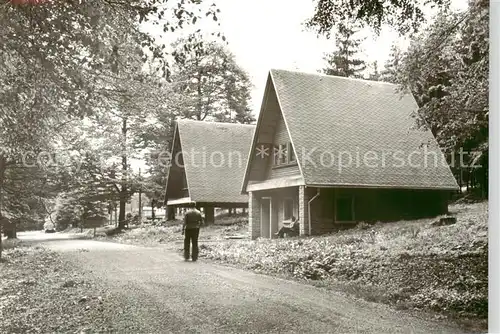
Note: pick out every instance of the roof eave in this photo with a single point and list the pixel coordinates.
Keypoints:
(384, 186)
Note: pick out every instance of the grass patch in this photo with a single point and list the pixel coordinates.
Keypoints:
(408, 264)
(150, 235)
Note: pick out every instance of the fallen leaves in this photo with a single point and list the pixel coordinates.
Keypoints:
(39, 294)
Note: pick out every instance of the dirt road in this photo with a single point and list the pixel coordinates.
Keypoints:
(155, 291)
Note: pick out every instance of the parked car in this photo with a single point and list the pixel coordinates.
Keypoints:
(49, 227)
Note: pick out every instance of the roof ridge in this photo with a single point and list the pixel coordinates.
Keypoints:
(332, 76)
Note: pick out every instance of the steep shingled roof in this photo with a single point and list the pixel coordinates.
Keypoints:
(215, 156)
(329, 116)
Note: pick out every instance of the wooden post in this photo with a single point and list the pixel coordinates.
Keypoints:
(2, 173)
(209, 214)
(140, 198)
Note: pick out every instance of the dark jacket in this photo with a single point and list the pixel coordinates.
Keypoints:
(193, 219)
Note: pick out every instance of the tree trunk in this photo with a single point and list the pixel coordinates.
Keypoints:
(468, 180)
(121, 215)
(209, 215)
(460, 179)
(484, 176)
(2, 176)
(123, 190)
(199, 105)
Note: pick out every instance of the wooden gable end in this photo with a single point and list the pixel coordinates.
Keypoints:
(177, 186)
(284, 160)
(270, 134)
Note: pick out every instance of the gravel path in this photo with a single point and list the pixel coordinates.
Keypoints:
(152, 290)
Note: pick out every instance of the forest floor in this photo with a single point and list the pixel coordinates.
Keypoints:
(42, 293)
(74, 285)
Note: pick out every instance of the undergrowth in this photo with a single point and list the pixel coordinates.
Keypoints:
(410, 264)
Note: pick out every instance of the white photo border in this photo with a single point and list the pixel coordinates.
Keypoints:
(494, 166)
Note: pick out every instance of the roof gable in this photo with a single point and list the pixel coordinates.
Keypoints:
(359, 133)
(173, 183)
(214, 156)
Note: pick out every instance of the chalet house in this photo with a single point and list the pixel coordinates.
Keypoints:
(335, 151)
(208, 161)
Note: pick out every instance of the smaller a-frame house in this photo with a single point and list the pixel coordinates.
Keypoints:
(335, 151)
(208, 161)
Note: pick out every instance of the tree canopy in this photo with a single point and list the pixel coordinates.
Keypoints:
(404, 15)
(65, 62)
(209, 84)
(446, 68)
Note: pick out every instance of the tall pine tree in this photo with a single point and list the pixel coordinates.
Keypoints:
(345, 61)
(375, 74)
(391, 67)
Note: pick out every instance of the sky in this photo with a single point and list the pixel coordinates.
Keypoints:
(267, 34)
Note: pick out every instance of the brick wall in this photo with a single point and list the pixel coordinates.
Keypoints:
(374, 205)
(303, 215)
(253, 215)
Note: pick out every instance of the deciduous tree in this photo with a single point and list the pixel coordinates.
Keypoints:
(446, 69)
(404, 15)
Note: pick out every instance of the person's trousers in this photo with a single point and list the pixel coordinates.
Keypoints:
(191, 238)
(283, 230)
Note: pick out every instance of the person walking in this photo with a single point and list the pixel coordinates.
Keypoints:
(191, 230)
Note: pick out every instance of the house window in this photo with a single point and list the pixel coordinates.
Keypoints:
(288, 209)
(345, 209)
(279, 155)
(283, 154)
